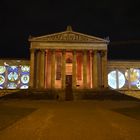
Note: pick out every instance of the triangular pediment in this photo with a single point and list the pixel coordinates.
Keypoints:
(68, 36)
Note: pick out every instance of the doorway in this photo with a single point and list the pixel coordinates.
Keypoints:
(68, 90)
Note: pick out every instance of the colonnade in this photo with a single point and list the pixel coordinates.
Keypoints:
(98, 72)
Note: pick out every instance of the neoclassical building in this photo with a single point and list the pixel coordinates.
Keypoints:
(68, 59)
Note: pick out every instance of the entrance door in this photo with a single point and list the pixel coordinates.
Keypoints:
(68, 91)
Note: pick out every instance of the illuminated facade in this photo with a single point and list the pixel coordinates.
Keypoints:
(124, 75)
(14, 74)
(68, 60)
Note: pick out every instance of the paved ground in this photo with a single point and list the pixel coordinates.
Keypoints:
(71, 120)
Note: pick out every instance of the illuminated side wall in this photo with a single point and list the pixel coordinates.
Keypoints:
(14, 74)
(124, 75)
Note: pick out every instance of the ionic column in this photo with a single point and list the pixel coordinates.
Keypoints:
(42, 69)
(95, 70)
(74, 70)
(32, 55)
(38, 54)
(46, 66)
(63, 69)
(104, 68)
(85, 69)
(53, 69)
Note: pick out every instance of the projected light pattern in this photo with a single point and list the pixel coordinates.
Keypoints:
(116, 79)
(14, 77)
(2, 69)
(112, 80)
(133, 76)
(121, 79)
(24, 77)
(2, 76)
(125, 79)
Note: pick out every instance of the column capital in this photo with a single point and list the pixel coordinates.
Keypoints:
(41, 50)
(102, 53)
(85, 51)
(52, 50)
(94, 52)
(64, 51)
(32, 50)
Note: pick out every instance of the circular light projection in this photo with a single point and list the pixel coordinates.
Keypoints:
(2, 79)
(121, 79)
(12, 76)
(1, 87)
(25, 68)
(2, 69)
(132, 75)
(138, 84)
(112, 80)
(24, 87)
(113, 77)
(25, 79)
(12, 85)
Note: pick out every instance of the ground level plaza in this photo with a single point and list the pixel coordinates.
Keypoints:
(69, 60)
(84, 120)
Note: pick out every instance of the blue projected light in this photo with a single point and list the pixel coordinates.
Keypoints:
(2, 76)
(115, 76)
(12, 73)
(2, 79)
(112, 80)
(2, 69)
(24, 77)
(12, 86)
(12, 77)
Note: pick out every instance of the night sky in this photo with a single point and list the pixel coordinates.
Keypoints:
(119, 20)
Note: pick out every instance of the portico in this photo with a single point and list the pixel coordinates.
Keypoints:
(68, 60)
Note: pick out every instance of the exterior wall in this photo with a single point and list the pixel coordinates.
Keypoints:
(124, 75)
(125, 67)
(14, 74)
(88, 64)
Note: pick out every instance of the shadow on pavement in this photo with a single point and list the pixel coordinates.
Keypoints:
(133, 112)
(9, 115)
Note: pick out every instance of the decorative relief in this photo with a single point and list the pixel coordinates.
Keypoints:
(69, 36)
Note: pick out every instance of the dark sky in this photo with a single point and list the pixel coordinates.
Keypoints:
(120, 20)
